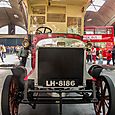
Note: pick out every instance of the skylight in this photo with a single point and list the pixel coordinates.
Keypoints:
(5, 4)
(96, 5)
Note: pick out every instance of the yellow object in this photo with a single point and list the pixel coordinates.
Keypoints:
(66, 16)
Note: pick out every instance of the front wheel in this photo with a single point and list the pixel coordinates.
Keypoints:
(105, 95)
(9, 102)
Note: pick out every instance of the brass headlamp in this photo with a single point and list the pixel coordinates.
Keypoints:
(25, 42)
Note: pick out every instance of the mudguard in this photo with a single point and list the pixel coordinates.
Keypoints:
(20, 73)
(95, 70)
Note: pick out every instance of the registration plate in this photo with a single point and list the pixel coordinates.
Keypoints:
(60, 83)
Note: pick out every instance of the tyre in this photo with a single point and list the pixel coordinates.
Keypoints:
(105, 95)
(9, 105)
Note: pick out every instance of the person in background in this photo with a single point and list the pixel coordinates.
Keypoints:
(12, 49)
(100, 59)
(17, 49)
(113, 55)
(88, 51)
(94, 54)
(1, 55)
(23, 54)
(8, 50)
(109, 56)
(4, 51)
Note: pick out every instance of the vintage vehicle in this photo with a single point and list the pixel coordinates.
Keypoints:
(58, 63)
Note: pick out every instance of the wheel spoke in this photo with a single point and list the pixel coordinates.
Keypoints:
(44, 30)
(103, 97)
(107, 104)
(107, 97)
(100, 107)
(14, 109)
(103, 109)
(12, 98)
(104, 91)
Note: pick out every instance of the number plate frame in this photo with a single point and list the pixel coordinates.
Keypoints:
(61, 83)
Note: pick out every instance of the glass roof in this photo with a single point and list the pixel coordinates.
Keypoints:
(5, 4)
(96, 5)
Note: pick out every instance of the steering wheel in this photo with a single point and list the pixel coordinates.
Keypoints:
(42, 30)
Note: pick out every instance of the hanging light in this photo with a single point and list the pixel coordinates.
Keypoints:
(88, 20)
(16, 16)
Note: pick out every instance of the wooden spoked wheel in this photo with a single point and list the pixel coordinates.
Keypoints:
(105, 96)
(9, 99)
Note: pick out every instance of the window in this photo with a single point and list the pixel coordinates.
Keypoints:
(89, 31)
(56, 17)
(109, 31)
(4, 30)
(20, 30)
(74, 25)
(5, 3)
(100, 44)
(100, 31)
(37, 20)
(96, 5)
(38, 10)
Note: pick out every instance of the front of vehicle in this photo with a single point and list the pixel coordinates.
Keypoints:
(58, 61)
(59, 67)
